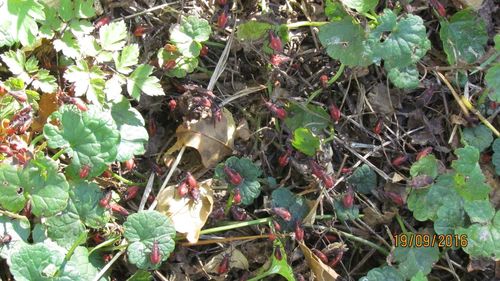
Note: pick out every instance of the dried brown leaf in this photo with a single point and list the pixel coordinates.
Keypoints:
(322, 271)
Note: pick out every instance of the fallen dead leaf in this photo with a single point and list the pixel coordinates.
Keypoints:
(188, 216)
(322, 271)
(236, 260)
(373, 218)
(213, 141)
(243, 131)
(47, 105)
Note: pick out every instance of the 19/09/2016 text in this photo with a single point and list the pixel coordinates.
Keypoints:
(430, 240)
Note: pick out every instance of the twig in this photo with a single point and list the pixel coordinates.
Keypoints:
(12, 215)
(480, 116)
(109, 264)
(455, 95)
(242, 93)
(145, 196)
(224, 240)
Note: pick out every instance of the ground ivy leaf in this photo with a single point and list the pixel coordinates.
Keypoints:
(11, 191)
(296, 205)
(312, 117)
(252, 30)
(414, 259)
(482, 240)
(464, 37)
(250, 187)
(112, 36)
(346, 41)
(404, 77)
(88, 81)
(468, 157)
(362, 6)
(493, 81)
(449, 216)
(363, 179)
(386, 273)
(36, 262)
(405, 43)
(141, 275)
(141, 230)
(496, 155)
(419, 277)
(65, 228)
(427, 165)
(128, 57)
(19, 231)
(305, 142)
(478, 136)
(472, 186)
(189, 34)
(89, 137)
(133, 134)
(85, 198)
(23, 17)
(82, 266)
(480, 211)
(345, 214)
(141, 81)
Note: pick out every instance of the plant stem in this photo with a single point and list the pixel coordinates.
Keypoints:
(401, 224)
(362, 241)
(13, 215)
(229, 203)
(58, 154)
(235, 225)
(330, 82)
(126, 181)
(36, 140)
(108, 265)
(299, 24)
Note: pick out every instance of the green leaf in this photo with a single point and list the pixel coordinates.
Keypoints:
(404, 77)
(141, 231)
(89, 137)
(450, 216)
(386, 273)
(305, 142)
(141, 81)
(493, 81)
(15, 61)
(6, 36)
(467, 160)
(427, 165)
(19, 231)
(276, 266)
(482, 240)
(312, 117)
(88, 81)
(68, 45)
(84, 200)
(363, 179)
(250, 187)
(183, 66)
(36, 262)
(346, 41)
(496, 155)
(478, 136)
(112, 36)
(133, 134)
(129, 56)
(468, 179)
(141, 275)
(399, 43)
(44, 81)
(80, 28)
(82, 266)
(296, 205)
(189, 34)
(252, 30)
(414, 259)
(334, 10)
(23, 16)
(464, 37)
(419, 277)
(65, 228)
(345, 214)
(362, 6)
(11, 191)
(76, 9)
(480, 211)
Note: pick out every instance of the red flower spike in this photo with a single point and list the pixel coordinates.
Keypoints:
(129, 164)
(346, 170)
(155, 256)
(182, 189)
(400, 160)
(282, 213)
(151, 199)
(6, 150)
(102, 22)
(222, 19)
(223, 265)
(222, 2)
(170, 48)
(277, 253)
(336, 259)
(277, 226)
(140, 30)
(204, 51)
(320, 255)
(19, 96)
(299, 232)
(316, 169)
(439, 7)
(84, 171)
(328, 181)
(80, 104)
(6, 239)
(334, 113)
(277, 59)
(172, 104)
(395, 198)
(152, 128)
(107, 258)
(424, 152)
(275, 42)
(131, 193)
(169, 65)
(237, 196)
(194, 193)
(378, 127)
(3, 91)
(115, 208)
(191, 181)
(233, 176)
(97, 238)
(272, 236)
(323, 80)
(348, 199)
(106, 174)
(277, 111)
(104, 202)
(284, 159)
(238, 214)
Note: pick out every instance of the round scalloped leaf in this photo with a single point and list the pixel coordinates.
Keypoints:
(141, 231)
(386, 273)
(480, 211)
(468, 157)
(414, 259)
(19, 230)
(404, 77)
(305, 142)
(189, 34)
(427, 165)
(483, 240)
(82, 266)
(296, 205)
(419, 277)
(450, 216)
(133, 135)
(496, 155)
(478, 136)
(493, 81)
(362, 6)
(252, 30)
(312, 117)
(346, 41)
(11, 192)
(36, 262)
(90, 138)
(363, 179)
(345, 214)
(250, 187)
(65, 228)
